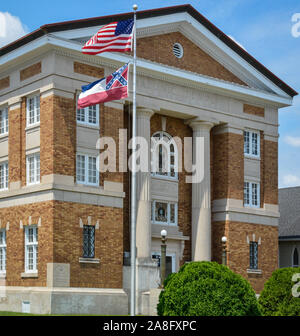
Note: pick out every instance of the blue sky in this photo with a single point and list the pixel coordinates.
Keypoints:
(262, 27)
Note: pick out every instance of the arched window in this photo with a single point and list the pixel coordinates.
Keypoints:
(164, 155)
(295, 257)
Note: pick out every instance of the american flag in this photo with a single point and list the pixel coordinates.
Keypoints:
(116, 36)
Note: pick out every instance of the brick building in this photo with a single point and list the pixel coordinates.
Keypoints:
(64, 227)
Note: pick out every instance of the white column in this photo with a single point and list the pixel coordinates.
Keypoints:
(201, 198)
(143, 181)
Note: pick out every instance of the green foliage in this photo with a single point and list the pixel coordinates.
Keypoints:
(207, 289)
(277, 299)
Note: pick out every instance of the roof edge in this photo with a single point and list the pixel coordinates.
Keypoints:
(83, 23)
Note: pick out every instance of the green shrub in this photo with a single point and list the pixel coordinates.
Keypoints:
(276, 299)
(207, 289)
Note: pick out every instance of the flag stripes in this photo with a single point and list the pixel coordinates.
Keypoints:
(116, 37)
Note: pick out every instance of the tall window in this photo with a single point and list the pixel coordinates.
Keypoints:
(251, 143)
(33, 110)
(4, 121)
(86, 169)
(251, 194)
(165, 213)
(31, 249)
(88, 115)
(2, 251)
(295, 257)
(164, 158)
(88, 241)
(3, 176)
(33, 168)
(253, 255)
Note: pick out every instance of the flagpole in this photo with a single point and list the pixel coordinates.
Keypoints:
(133, 180)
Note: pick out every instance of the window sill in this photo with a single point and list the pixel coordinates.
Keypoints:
(89, 260)
(252, 206)
(164, 223)
(86, 125)
(32, 184)
(82, 184)
(32, 127)
(254, 271)
(29, 275)
(3, 136)
(254, 157)
(166, 178)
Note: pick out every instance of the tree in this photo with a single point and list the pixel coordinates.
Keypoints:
(207, 289)
(277, 298)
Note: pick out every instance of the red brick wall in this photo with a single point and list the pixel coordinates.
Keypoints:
(255, 110)
(14, 145)
(111, 120)
(238, 249)
(30, 71)
(58, 135)
(89, 70)
(108, 244)
(4, 83)
(228, 166)
(15, 251)
(60, 241)
(270, 172)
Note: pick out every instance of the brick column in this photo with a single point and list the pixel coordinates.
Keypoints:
(15, 145)
(143, 224)
(201, 198)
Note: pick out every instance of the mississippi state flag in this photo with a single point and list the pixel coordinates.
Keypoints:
(113, 87)
(116, 36)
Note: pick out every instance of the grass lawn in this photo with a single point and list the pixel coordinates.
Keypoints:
(8, 313)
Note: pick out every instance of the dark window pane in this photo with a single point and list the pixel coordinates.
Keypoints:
(88, 241)
(253, 255)
(296, 257)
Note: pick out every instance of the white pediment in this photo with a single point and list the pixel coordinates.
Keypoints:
(200, 36)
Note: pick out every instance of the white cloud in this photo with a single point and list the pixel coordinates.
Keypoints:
(237, 42)
(291, 181)
(293, 141)
(11, 28)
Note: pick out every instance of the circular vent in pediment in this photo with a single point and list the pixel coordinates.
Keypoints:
(178, 50)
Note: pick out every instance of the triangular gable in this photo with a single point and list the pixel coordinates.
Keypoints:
(159, 49)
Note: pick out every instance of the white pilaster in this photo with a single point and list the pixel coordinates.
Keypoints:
(143, 224)
(201, 198)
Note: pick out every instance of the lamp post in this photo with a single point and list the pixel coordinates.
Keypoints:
(163, 234)
(224, 252)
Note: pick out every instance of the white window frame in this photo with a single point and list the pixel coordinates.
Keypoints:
(86, 116)
(154, 153)
(5, 169)
(3, 250)
(36, 168)
(86, 173)
(4, 120)
(33, 244)
(250, 154)
(36, 110)
(168, 223)
(250, 204)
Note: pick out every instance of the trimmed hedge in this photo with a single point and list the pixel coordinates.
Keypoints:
(277, 299)
(207, 289)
